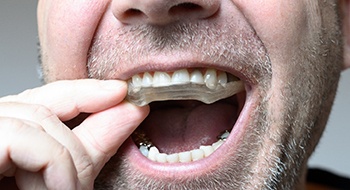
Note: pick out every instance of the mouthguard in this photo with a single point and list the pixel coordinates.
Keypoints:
(142, 96)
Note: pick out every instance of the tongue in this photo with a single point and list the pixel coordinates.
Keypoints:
(188, 124)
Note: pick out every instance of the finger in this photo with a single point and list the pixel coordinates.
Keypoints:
(6, 167)
(33, 150)
(24, 112)
(54, 127)
(10, 171)
(103, 133)
(42, 118)
(30, 180)
(69, 98)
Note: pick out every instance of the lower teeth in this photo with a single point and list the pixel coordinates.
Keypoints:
(152, 152)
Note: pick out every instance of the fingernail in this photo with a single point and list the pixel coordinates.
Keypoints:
(113, 84)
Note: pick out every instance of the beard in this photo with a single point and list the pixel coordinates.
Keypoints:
(287, 121)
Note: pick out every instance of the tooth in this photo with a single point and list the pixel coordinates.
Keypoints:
(197, 77)
(217, 144)
(147, 80)
(185, 157)
(161, 158)
(210, 78)
(144, 150)
(207, 150)
(152, 154)
(136, 82)
(224, 136)
(222, 78)
(180, 77)
(182, 157)
(197, 154)
(173, 158)
(206, 92)
(161, 79)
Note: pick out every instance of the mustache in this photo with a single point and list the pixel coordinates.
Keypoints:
(176, 36)
(231, 44)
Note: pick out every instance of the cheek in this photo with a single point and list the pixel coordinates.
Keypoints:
(283, 28)
(66, 29)
(280, 24)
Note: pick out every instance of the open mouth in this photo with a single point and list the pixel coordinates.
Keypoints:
(193, 112)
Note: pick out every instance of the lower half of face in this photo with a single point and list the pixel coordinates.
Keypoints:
(258, 137)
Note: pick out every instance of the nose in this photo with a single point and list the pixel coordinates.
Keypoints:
(161, 12)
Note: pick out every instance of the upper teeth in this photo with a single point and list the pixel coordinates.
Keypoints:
(211, 78)
(209, 87)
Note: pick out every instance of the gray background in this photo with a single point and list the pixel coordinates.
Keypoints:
(19, 66)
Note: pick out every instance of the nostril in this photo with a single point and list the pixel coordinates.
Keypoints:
(184, 7)
(133, 13)
(161, 12)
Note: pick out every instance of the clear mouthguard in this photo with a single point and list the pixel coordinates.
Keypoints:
(141, 96)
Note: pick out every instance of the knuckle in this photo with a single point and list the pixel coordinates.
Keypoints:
(63, 153)
(42, 112)
(17, 125)
(25, 96)
(14, 126)
(11, 124)
(85, 167)
(9, 98)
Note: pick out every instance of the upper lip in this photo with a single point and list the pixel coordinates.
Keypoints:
(233, 47)
(246, 63)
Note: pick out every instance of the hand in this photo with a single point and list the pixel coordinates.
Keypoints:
(40, 151)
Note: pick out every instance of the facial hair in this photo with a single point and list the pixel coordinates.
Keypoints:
(304, 101)
(228, 44)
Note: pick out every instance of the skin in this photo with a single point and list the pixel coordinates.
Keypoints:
(278, 47)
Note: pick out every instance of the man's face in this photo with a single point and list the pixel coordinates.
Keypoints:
(287, 53)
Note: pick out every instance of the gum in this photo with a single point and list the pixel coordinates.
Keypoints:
(142, 96)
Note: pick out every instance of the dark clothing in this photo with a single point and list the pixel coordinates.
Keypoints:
(327, 179)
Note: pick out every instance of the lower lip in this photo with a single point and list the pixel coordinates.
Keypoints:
(188, 170)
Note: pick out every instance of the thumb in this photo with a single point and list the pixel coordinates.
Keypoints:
(104, 132)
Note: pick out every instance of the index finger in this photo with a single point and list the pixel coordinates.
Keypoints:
(67, 99)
